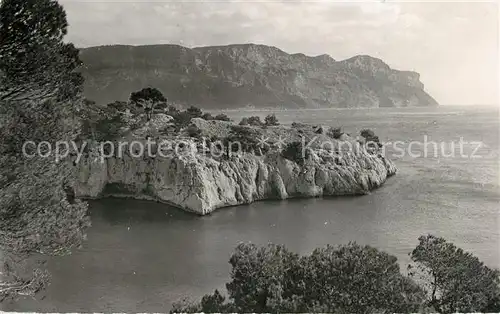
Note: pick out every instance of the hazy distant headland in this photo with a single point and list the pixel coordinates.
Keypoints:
(248, 75)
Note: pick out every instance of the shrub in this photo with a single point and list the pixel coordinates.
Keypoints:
(118, 106)
(355, 279)
(299, 125)
(367, 133)
(359, 279)
(247, 137)
(319, 129)
(335, 133)
(371, 139)
(193, 131)
(344, 279)
(254, 121)
(107, 128)
(294, 151)
(161, 107)
(183, 118)
(172, 111)
(194, 112)
(207, 116)
(271, 120)
(244, 121)
(222, 117)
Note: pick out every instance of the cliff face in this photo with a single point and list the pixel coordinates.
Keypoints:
(241, 75)
(201, 184)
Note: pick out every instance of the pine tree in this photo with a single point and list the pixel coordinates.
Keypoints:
(40, 92)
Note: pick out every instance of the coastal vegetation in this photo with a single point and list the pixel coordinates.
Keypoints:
(41, 99)
(148, 99)
(294, 151)
(353, 279)
(269, 120)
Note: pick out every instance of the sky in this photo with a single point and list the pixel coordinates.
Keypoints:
(453, 45)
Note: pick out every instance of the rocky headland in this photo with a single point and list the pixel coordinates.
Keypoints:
(195, 180)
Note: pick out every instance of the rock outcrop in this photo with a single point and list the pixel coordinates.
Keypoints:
(236, 76)
(196, 181)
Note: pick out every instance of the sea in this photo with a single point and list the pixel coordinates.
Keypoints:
(141, 256)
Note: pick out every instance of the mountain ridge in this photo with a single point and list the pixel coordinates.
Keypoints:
(240, 75)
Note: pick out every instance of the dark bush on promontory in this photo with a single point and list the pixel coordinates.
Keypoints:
(371, 139)
(271, 120)
(294, 151)
(253, 121)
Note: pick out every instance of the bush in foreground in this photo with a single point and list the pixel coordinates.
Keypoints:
(345, 279)
(456, 281)
(352, 279)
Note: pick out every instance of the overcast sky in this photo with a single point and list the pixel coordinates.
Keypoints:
(454, 46)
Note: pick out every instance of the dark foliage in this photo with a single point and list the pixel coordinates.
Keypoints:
(147, 94)
(147, 99)
(162, 106)
(39, 93)
(194, 112)
(372, 141)
(346, 279)
(253, 121)
(193, 131)
(107, 127)
(456, 281)
(172, 111)
(207, 116)
(247, 137)
(299, 125)
(222, 117)
(120, 106)
(182, 120)
(335, 133)
(271, 120)
(295, 152)
(34, 59)
(243, 122)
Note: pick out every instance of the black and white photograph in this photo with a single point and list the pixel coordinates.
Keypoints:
(249, 156)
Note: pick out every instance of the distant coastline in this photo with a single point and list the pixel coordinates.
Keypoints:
(236, 76)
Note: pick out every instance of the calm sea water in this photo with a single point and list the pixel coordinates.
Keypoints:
(142, 256)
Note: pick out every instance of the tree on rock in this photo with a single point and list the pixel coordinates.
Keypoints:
(456, 281)
(147, 98)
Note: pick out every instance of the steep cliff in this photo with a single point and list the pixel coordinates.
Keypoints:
(197, 181)
(248, 75)
(201, 184)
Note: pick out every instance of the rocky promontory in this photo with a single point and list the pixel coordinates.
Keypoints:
(199, 181)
